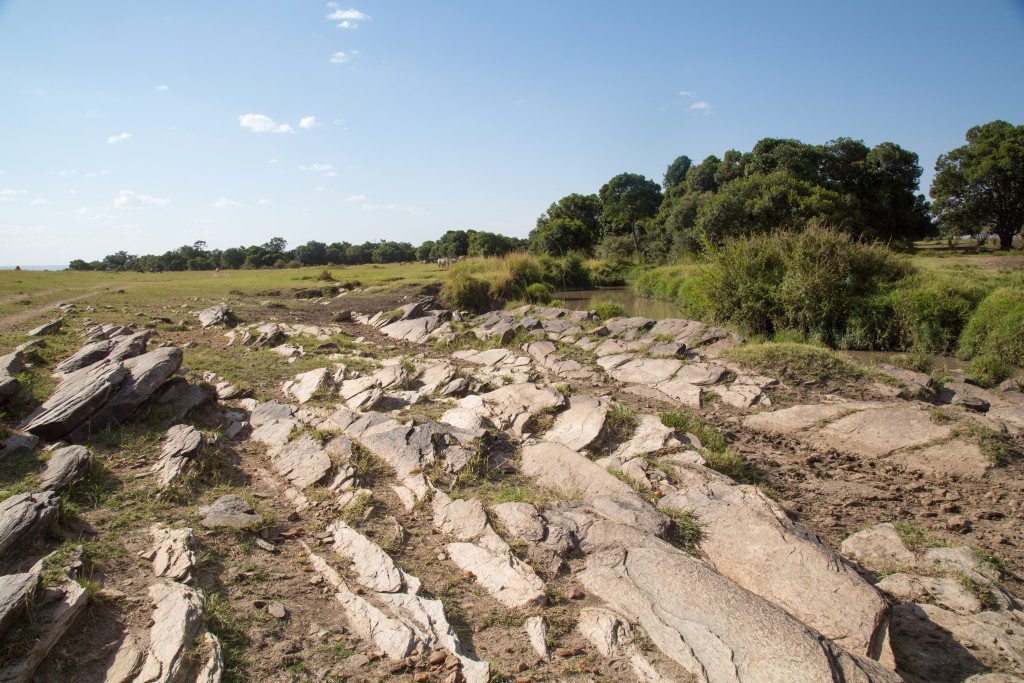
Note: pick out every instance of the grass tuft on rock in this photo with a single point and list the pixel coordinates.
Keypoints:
(796, 362)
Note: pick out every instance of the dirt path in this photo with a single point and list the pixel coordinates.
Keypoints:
(15, 320)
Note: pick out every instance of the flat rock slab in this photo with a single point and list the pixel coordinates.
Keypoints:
(303, 461)
(799, 418)
(64, 466)
(509, 580)
(880, 431)
(45, 329)
(750, 540)
(649, 371)
(878, 548)
(712, 627)
(55, 608)
(701, 374)
(306, 385)
(230, 511)
(374, 569)
(581, 425)
(172, 553)
(177, 623)
(649, 436)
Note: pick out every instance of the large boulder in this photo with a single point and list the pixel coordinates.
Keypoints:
(581, 425)
(712, 627)
(63, 467)
(24, 517)
(76, 398)
(216, 315)
(750, 540)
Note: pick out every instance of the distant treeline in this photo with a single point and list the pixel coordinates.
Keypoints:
(869, 193)
(275, 254)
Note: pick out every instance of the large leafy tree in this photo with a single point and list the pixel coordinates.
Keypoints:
(584, 208)
(676, 172)
(560, 236)
(626, 200)
(980, 185)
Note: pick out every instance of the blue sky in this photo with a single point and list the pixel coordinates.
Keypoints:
(143, 126)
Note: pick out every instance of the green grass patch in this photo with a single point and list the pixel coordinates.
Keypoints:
(796, 362)
(914, 537)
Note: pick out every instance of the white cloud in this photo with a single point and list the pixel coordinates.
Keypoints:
(341, 56)
(271, 161)
(347, 18)
(326, 170)
(161, 88)
(397, 208)
(38, 202)
(225, 203)
(259, 123)
(128, 199)
(7, 195)
(319, 188)
(355, 198)
(205, 221)
(308, 122)
(688, 93)
(120, 137)
(701, 106)
(265, 202)
(66, 172)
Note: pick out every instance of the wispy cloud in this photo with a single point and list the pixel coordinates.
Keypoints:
(260, 123)
(355, 198)
(397, 208)
(225, 203)
(701, 106)
(38, 202)
(308, 122)
(120, 137)
(161, 88)
(341, 57)
(7, 194)
(326, 170)
(346, 18)
(265, 202)
(272, 161)
(692, 94)
(126, 199)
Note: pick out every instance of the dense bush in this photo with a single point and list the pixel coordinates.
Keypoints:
(481, 284)
(814, 281)
(997, 327)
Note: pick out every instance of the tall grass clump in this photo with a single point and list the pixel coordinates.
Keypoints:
(480, 284)
(815, 281)
(994, 335)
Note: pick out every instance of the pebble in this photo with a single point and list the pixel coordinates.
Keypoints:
(576, 594)
(277, 610)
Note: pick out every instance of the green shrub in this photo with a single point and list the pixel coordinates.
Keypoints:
(608, 309)
(462, 291)
(813, 281)
(539, 293)
(796, 361)
(997, 327)
(605, 273)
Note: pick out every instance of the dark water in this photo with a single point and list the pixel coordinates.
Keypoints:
(586, 299)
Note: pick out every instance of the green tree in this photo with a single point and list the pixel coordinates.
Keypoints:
(560, 236)
(276, 245)
(585, 208)
(232, 257)
(676, 172)
(627, 199)
(980, 185)
(701, 178)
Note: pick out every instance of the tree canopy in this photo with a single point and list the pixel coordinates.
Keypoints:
(979, 187)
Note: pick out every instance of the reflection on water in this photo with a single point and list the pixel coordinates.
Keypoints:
(586, 299)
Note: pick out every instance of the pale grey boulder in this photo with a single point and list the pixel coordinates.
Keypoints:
(215, 315)
(64, 466)
(143, 376)
(24, 517)
(749, 539)
(172, 553)
(181, 444)
(230, 511)
(45, 329)
(713, 628)
(77, 396)
(85, 356)
(582, 425)
(15, 592)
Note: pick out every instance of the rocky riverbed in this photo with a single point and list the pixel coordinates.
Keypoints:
(525, 495)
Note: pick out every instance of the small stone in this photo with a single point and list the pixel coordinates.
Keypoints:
(421, 677)
(576, 594)
(437, 657)
(567, 651)
(277, 610)
(467, 575)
